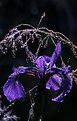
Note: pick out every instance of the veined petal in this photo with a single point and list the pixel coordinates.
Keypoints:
(54, 82)
(40, 63)
(13, 90)
(55, 54)
(67, 86)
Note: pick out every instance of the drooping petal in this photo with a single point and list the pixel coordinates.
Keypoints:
(55, 54)
(13, 90)
(67, 86)
(54, 82)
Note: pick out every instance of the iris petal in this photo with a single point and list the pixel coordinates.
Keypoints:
(13, 89)
(41, 63)
(54, 82)
(55, 54)
(66, 89)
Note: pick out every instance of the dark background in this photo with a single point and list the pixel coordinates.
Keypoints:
(61, 15)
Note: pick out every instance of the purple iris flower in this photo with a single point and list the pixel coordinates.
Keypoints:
(59, 78)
